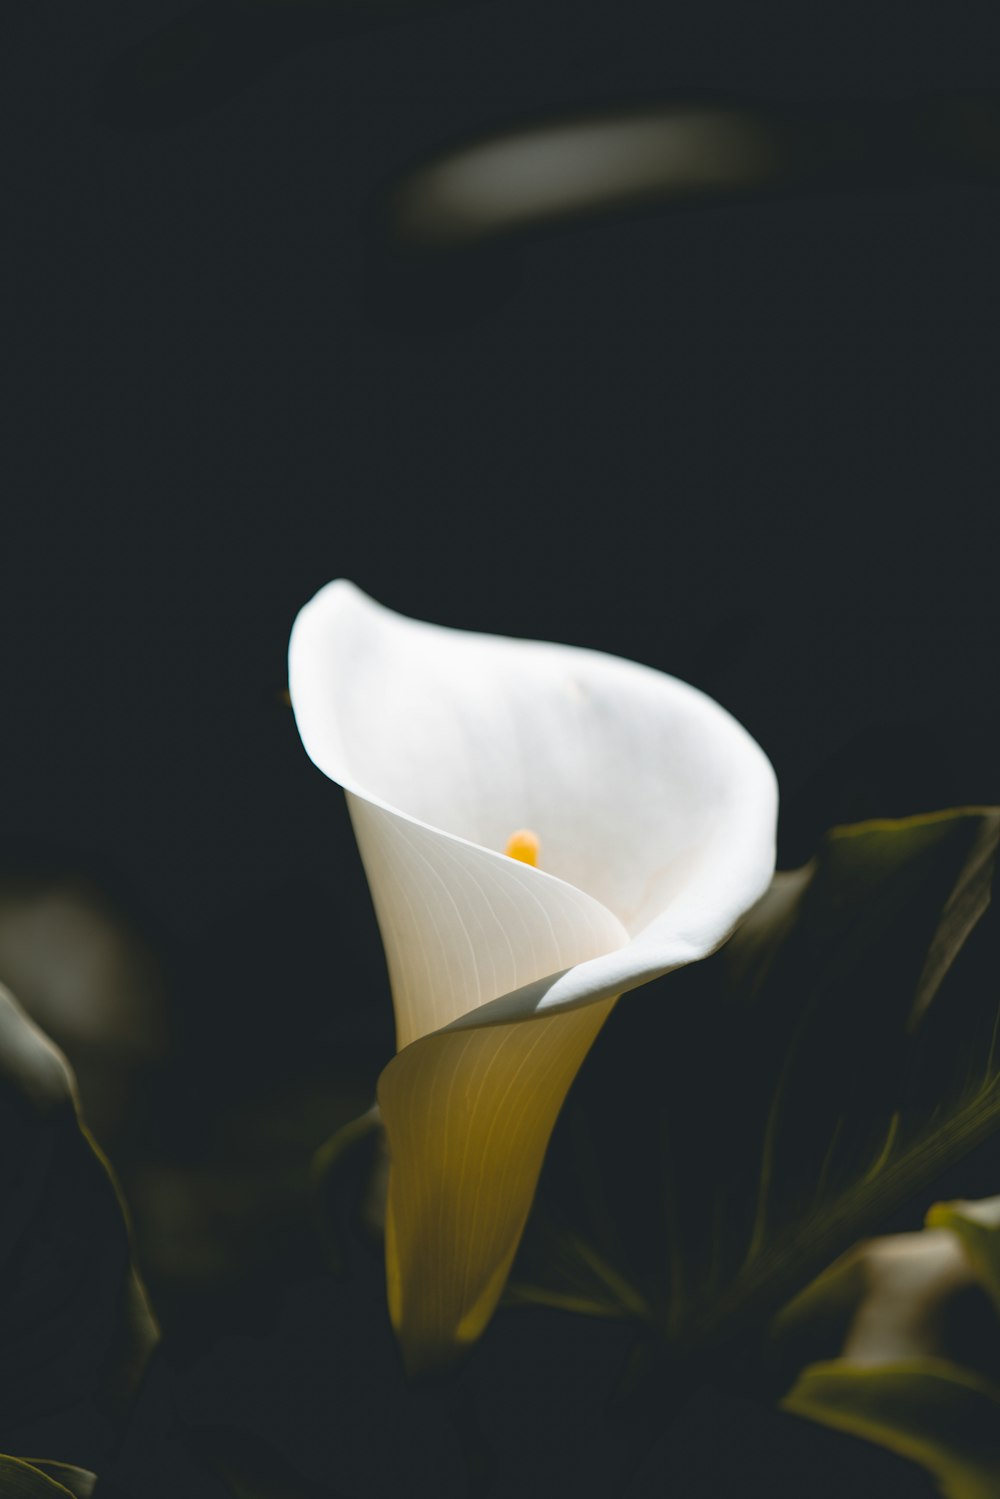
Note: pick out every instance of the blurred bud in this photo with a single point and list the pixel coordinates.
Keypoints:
(572, 168)
(90, 983)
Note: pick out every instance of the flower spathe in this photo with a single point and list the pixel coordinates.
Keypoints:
(653, 814)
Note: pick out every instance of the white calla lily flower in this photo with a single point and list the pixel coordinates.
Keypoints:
(543, 828)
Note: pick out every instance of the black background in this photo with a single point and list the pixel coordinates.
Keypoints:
(754, 445)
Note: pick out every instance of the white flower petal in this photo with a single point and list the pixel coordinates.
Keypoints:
(638, 786)
(463, 925)
(656, 815)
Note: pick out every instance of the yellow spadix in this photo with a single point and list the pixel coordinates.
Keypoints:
(524, 845)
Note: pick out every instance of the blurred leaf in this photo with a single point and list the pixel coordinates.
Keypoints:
(77, 1481)
(977, 1225)
(917, 1345)
(83, 973)
(349, 1176)
(928, 1410)
(785, 1095)
(890, 1300)
(583, 167)
(76, 1327)
(20, 1479)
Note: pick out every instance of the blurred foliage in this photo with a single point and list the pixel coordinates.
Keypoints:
(738, 1124)
(76, 1328)
(977, 1226)
(20, 1479)
(782, 1098)
(586, 166)
(927, 1410)
(93, 984)
(905, 1340)
(741, 1122)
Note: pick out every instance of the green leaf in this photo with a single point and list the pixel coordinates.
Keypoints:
(928, 1410)
(20, 1479)
(76, 1327)
(78, 1481)
(349, 1175)
(916, 1345)
(785, 1095)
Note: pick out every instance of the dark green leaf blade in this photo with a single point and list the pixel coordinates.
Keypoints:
(786, 1094)
(77, 1481)
(934, 1412)
(23, 1480)
(76, 1326)
(898, 1342)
